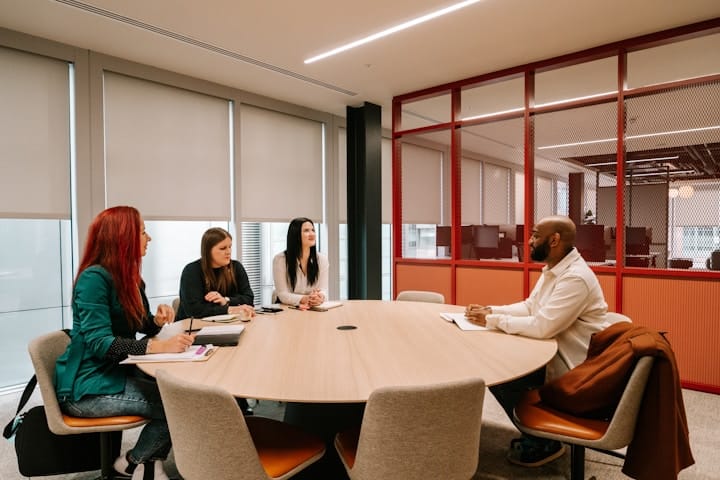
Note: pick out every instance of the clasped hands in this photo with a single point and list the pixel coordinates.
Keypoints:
(313, 299)
(476, 314)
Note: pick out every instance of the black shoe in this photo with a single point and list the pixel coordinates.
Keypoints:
(534, 452)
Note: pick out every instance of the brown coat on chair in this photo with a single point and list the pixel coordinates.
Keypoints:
(660, 447)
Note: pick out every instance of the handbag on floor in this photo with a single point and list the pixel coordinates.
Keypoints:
(41, 452)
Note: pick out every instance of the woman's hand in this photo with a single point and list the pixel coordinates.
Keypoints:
(246, 312)
(165, 314)
(476, 314)
(315, 298)
(216, 297)
(178, 343)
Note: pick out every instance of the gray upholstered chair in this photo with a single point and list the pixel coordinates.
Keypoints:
(420, 296)
(176, 304)
(535, 418)
(212, 439)
(44, 352)
(402, 435)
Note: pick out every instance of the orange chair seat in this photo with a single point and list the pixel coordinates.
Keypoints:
(282, 447)
(101, 421)
(532, 413)
(347, 444)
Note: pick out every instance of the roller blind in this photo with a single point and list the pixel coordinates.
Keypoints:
(35, 139)
(280, 166)
(421, 180)
(471, 200)
(167, 150)
(496, 194)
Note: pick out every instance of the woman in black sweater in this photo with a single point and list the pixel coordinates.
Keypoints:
(215, 284)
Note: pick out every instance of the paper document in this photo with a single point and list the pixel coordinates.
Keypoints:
(461, 321)
(196, 353)
(325, 306)
(226, 318)
(169, 330)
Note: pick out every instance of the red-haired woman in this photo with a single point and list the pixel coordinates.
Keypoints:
(109, 307)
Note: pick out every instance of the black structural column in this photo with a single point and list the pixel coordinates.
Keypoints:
(364, 202)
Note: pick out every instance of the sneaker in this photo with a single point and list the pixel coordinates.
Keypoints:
(534, 452)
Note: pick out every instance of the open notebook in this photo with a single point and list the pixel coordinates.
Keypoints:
(461, 321)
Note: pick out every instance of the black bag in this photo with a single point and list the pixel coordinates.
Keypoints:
(41, 452)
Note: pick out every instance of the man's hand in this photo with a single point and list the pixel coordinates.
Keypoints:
(476, 314)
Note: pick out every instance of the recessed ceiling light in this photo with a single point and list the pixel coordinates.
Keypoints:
(391, 30)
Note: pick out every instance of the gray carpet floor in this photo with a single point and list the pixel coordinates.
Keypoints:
(703, 412)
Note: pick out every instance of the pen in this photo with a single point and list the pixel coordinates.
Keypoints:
(190, 328)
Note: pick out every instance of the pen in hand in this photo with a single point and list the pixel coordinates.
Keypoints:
(189, 330)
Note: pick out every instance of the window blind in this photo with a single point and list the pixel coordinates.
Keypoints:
(35, 139)
(280, 166)
(167, 150)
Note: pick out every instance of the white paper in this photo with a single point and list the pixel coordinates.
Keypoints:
(327, 305)
(195, 353)
(461, 321)
(220, 329)
(169, 330)
(228, 317)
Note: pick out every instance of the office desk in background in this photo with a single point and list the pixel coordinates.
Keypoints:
(302, 356)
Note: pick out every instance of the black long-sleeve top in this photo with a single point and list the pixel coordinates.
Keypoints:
(193, 291)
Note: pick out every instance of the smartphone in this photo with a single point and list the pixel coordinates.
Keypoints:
(268, 309)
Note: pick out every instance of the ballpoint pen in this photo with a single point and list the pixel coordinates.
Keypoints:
(190, 327)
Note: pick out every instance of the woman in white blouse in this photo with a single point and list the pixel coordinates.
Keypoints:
(300, 273)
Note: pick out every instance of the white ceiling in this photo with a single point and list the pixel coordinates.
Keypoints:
(259, 46)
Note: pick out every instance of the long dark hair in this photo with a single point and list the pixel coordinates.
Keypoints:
(113, 242)
(225, 278)
(293, 253)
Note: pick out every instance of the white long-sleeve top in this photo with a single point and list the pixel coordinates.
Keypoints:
(282, 283)
(567, 303)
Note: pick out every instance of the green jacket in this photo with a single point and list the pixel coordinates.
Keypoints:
(85, 368)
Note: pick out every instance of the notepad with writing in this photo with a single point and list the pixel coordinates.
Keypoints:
(219, 335)
(461, 321)
(196, 353)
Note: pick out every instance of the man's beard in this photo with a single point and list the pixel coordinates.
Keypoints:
(541, 252)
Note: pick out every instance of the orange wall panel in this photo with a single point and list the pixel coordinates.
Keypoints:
(689, 311)
(488, 286)
(607, 283)
(435, 278)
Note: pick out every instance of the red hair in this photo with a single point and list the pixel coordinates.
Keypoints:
(113, 242)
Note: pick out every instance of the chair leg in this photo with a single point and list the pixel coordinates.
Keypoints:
(577, 462)
(110, 443)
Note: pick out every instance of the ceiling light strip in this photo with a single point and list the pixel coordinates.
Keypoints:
(203, 45)
(639, 160)
(631, 137)
(391, 30)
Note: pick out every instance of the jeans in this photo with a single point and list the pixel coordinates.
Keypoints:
(140, 397)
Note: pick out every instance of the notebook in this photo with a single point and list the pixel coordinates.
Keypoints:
(219, 335)
(325, 306)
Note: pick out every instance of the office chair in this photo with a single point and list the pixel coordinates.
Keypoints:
(402, 435)
(420, 296)
(212, 439)
(535, 418)
(44, 352)
(176, 304)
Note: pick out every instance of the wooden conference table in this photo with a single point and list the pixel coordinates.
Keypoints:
(302, 356)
